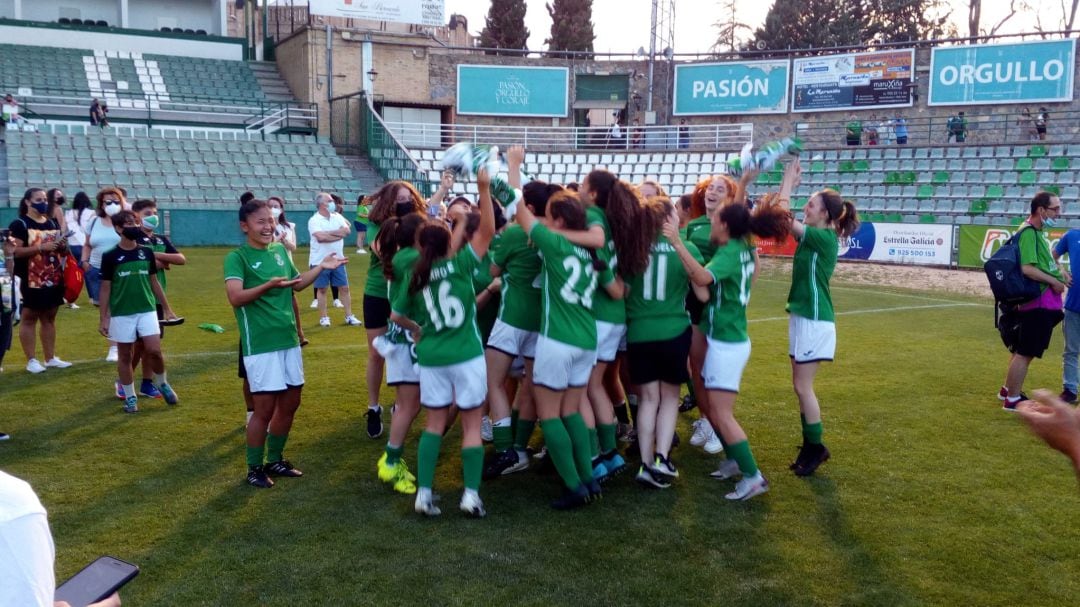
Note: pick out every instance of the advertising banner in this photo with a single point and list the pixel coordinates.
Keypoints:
(489, 90)
(751, 87)
(422, 12)
(1023, 72)
(903, 243)
(852, 81)
(978, 243)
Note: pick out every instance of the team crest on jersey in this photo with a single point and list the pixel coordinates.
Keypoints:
(142, 255)
(278, 259)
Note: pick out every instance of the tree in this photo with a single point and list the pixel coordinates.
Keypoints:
(571, 25)
(804, 24)
(902, 20)
(505, 26)
(730, 31)
(975, 17)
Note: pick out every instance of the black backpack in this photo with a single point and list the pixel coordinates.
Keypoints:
(1006, 276)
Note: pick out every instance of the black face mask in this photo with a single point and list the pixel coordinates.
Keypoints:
(132, 233)
(402, 209)
(60, 201)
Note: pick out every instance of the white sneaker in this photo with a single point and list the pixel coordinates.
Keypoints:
(425, 503)
(486, 433)
(56, 362)
(713, 445)
(749, 487)
(698, 438)
(34, 366)
(324, 321)
(728, 468)
(314, 304)
(112, 356)
(352, 320)
(73, 306)
(338, 304)
(361, 252)
(472, 505)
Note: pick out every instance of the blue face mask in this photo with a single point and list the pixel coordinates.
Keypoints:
(40, 207)
(1050, 222)
(331, 207)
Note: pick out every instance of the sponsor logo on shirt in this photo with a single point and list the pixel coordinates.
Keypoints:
(255, 266)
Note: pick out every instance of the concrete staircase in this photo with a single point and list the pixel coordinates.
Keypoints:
(270, 81)
(362, 171)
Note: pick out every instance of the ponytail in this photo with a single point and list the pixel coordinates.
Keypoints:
(628, 230)
(766, 220)
(434, 241)
(387, 245)
(842, 214)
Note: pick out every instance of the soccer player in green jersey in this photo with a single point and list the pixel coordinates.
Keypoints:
(438, 307)
(811, 326)
(730, 274)
(130, 293)
(566, 348)
(259, 282)
(393, 199)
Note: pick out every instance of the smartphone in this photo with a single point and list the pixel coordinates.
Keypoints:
(97, 581)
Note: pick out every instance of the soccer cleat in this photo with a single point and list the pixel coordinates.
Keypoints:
(699, 436)
(687, 404)
(73, 306)
(471, 505)
(1068, 396)
(665, 467)
(596, 493)
(120, 390)
(425, 504)
(501, 463)
(614, 464)
(4, 436)
(257, 478)
(282, 468)
(714, 445)
(1003, 393)
(314, 304)
(625, 433)
(522, 462)
(147, 388)
(1010, 405)
(650, 478)
(34, 366)
(749, 487)
(572, 499)
(112, 356)
(131, 404)
(169, 394)
(374, 422)
(324, 321)
(338, 304)
(728, 468)
(486, 433)
(599, 470)
(56, 363)
(403, 481)
(361, 252)
(352, 321)
(815, 455)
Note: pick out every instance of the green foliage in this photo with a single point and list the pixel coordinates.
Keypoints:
(505, 26)
(804, 24)
(571, 25)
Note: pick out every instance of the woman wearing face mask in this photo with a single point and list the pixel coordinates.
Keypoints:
(56, 199)
(100, 238)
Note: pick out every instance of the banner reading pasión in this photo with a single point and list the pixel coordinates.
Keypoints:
(857, 80)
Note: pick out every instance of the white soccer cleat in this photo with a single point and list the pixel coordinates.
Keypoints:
(472, 505)
(749, 487)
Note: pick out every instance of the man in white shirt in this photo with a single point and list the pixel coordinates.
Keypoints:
(328, 230)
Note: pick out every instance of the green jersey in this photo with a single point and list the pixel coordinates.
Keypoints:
(656, 304)
(445, 309)
(160, 244)
(485, 317)
(402, 262)
(129, 272)
(732, 269)
(375, 285)
(1035, 251)
(519, 305)
(699, 232)
(266, 324)
(815, 260)
(604, 307)
(569, 283)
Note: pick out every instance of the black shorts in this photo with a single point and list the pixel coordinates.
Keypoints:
(376, 312)
(660, 360)
(1040, 130)
(695, 307)
(42, 300)
(1028, 333)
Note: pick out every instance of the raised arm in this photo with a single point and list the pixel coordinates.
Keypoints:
(482, 239)
(515, 157)
(791, 180)
(698, 275)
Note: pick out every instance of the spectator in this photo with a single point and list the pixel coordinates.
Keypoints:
(27, 551)
(10, 112)
(78, 221)
(97, 114)
(853, 131)
(39, 251)
(871, 131)
(1027, 329)
(100, 237)
(684, 134)
(1070, 245)
(361, 224)
(957, 126)
(885, 131)
(899, 125)
(328, 230)
(1027, 122)
(7, 300)
(1040, 123)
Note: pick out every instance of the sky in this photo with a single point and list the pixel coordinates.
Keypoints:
(623, 25)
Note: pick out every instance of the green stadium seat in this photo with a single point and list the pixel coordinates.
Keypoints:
(940, 178)
(978, 207)
(925, 191)
(995, 190)
(1060, 164)
(1023, 164)
(1055, 189)
(1037, 151)
(927, 218)
(1026, 178)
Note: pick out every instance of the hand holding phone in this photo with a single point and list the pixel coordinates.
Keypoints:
(96, 582)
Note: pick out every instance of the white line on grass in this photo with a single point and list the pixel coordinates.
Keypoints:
(886, 293)
(880, 310)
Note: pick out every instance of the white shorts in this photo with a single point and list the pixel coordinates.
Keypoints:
(724, 364)
(463, 384)
(608, 338)
(512, 341)
(400, 368)
(811, 340)
(129, 328)
(275, 371)
(622, 343)
(560, 366)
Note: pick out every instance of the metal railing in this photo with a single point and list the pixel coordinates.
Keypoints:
(284, 117)
(728, 137)
(356, 127)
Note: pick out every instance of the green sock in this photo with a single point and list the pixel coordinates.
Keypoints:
(503, 437)
(690, 390)
(275, 445)
(561, 451)
(607, 436)
(523, 433)
(812, 433)
(255, 456)
(579, 438)
(427, 456)
(740, 452)
(594, 442)
(472, 466)
(393, 454)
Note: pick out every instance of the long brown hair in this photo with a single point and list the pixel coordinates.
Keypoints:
(396, 234)
(766, 220)
(842, 213)
(655, 214)
(628, 232)
(383, 200)
(697, 198)
(434, 241)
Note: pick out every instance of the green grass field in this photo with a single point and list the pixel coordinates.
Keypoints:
(934, 495)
